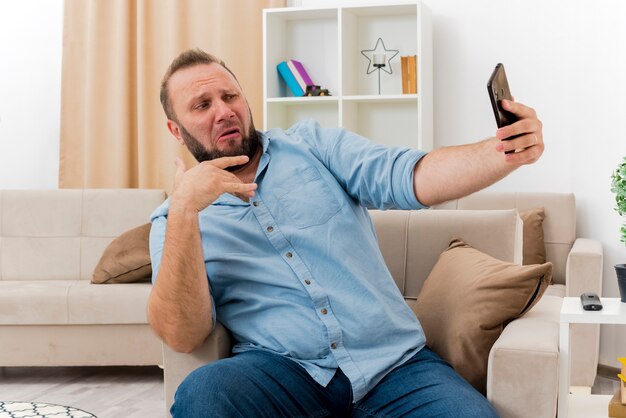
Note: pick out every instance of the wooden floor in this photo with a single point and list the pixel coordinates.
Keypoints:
(107, 392)
(120, 392)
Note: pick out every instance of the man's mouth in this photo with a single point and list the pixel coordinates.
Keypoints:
(228, 134)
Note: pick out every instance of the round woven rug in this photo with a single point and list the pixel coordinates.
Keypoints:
(40, 410)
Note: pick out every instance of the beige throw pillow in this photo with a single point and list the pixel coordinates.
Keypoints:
(126, 259)
(534, 246)
(468, 299)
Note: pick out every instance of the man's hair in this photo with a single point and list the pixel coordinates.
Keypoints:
(186, 59)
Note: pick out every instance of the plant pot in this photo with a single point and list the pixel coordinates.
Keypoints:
(620, 270)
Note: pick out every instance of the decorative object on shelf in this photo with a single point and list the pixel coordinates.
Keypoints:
(618, 186)
(313, 90)
(409, 74)
(290, 79)
(379, 59)
(298, 80)
(297, 69)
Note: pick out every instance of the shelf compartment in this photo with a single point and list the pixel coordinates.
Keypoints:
(309, 36)
(282, 113)
(384, 121)
(361, 28)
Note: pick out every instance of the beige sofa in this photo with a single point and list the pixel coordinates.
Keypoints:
(50, 313)
(522, 376)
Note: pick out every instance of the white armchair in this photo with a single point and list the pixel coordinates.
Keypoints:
(409, 258)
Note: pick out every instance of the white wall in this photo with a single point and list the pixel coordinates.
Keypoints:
(566, 59)
(30, 86)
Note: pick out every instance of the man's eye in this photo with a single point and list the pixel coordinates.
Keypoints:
(230, 96)
(202, 105)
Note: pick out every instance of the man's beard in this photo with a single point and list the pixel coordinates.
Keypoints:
(249, 145)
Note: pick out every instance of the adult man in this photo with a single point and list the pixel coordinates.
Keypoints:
(278, 223)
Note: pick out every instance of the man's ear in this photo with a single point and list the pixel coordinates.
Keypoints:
(175, 130)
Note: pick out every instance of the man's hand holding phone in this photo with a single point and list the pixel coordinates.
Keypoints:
(522, 141)
(519, 129)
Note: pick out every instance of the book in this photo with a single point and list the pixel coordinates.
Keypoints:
(409, 74)
(290, 80)
(305, 76)
(405, 74)
(412, 74)
(296, 75)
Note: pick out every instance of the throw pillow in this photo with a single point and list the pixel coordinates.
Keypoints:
(534, 247)
(468, 299)
(126, 259)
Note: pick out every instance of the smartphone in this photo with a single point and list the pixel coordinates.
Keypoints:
(498, 89)
(591, 302)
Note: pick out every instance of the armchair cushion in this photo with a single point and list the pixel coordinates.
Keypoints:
(126, 259)
(467, 300)
(534, 244)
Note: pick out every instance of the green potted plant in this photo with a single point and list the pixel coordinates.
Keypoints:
(618, 186)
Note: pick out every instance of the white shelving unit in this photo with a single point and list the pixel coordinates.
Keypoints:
(328, 41)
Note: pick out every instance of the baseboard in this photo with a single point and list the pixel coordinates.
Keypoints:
(608, 372)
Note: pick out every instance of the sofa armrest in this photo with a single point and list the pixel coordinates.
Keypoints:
(178, 365)
(524, 363)
(583, 272)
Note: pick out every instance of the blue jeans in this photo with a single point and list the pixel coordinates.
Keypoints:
(257, 384)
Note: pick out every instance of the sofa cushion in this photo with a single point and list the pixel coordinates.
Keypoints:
(467, 300)
(126, 259)
(123, 303)
(34, 302)
(556, 290)
(547, 309)
(63, 302)
(534, 244)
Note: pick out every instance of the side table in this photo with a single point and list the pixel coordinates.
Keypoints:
(613, 312)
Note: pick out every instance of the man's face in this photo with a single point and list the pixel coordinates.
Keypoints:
(213, 116)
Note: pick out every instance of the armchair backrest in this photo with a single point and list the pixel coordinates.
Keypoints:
(559, 225)
(411, 241)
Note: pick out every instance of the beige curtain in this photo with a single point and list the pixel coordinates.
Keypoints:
(113, 131)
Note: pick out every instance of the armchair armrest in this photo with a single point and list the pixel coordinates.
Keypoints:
(178, 365)
(583, 271)
(523, 363)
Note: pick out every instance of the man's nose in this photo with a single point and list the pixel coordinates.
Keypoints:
(223, 111)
